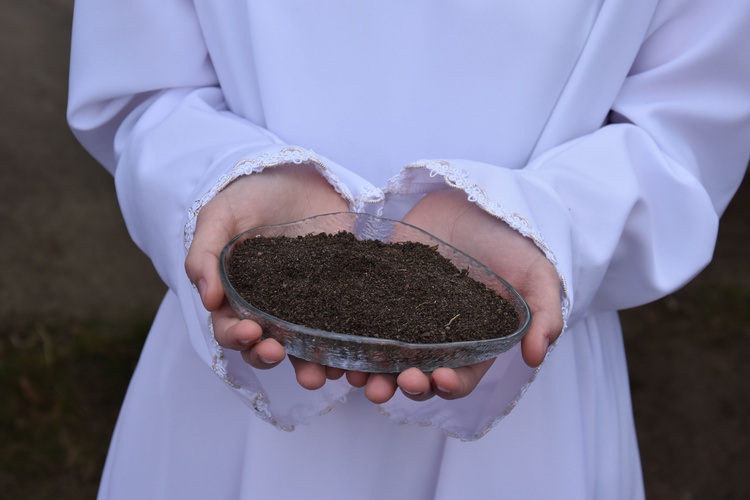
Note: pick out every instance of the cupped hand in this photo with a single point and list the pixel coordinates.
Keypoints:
(448, 215)
(276, 195)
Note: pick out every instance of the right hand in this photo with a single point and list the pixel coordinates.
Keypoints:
(275, 195)
(448, 215)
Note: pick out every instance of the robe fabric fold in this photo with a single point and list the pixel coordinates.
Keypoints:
(595, 128)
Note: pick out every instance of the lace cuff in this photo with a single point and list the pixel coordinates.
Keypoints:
(407, 182)
(286, 155)
(276, 397)
(509, 377)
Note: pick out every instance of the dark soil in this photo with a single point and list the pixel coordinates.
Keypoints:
(399, 291)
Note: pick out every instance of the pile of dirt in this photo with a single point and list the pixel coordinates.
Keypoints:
(397, 291)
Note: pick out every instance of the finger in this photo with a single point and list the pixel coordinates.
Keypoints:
(266, 354)
(546, 318)
(458, 383)
(213, 230)
(233, 333)
(311, 376)
(357, 379)
(542, 293)
(380, 387)
(415, 384)
(334, 373)
(544, 330)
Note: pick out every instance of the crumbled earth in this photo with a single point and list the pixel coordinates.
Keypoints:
(336, 283)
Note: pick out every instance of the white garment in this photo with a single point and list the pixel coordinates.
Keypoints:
(593, 127)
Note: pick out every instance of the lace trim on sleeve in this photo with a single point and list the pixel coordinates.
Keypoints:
(436, 424)
(459, 179)
(287, 155)
(257, 400)
(251, 393)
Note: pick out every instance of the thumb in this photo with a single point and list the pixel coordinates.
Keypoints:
(545, 328)
(542, 293)
(212, 232)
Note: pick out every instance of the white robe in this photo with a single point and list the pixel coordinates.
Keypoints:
(612, 133)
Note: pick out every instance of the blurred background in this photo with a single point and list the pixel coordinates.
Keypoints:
(77, 297)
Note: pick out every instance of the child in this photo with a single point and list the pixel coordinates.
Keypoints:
(562, 143)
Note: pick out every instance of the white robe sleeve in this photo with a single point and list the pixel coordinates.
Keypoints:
(145, 101)
(627, 213)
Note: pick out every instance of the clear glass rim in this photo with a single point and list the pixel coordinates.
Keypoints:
(518, 301)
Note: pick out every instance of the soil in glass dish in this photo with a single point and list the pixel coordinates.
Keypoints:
(402, 291)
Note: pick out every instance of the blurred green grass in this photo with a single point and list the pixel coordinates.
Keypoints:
(63, 385)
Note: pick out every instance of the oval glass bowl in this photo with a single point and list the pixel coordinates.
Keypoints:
(365, 354)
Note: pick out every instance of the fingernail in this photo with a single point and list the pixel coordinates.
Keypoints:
(202, 288)
(418, 393)
(267, 361)
(244, 342)
(442, 389)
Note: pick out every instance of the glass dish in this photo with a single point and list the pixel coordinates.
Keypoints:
(365, 354)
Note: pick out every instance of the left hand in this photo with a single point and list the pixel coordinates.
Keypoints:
(275, 195)
(448, 215)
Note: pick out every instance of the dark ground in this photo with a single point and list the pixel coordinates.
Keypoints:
(71, 325)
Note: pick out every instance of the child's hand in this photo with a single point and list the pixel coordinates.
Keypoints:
(451, 217)
(276, 195)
